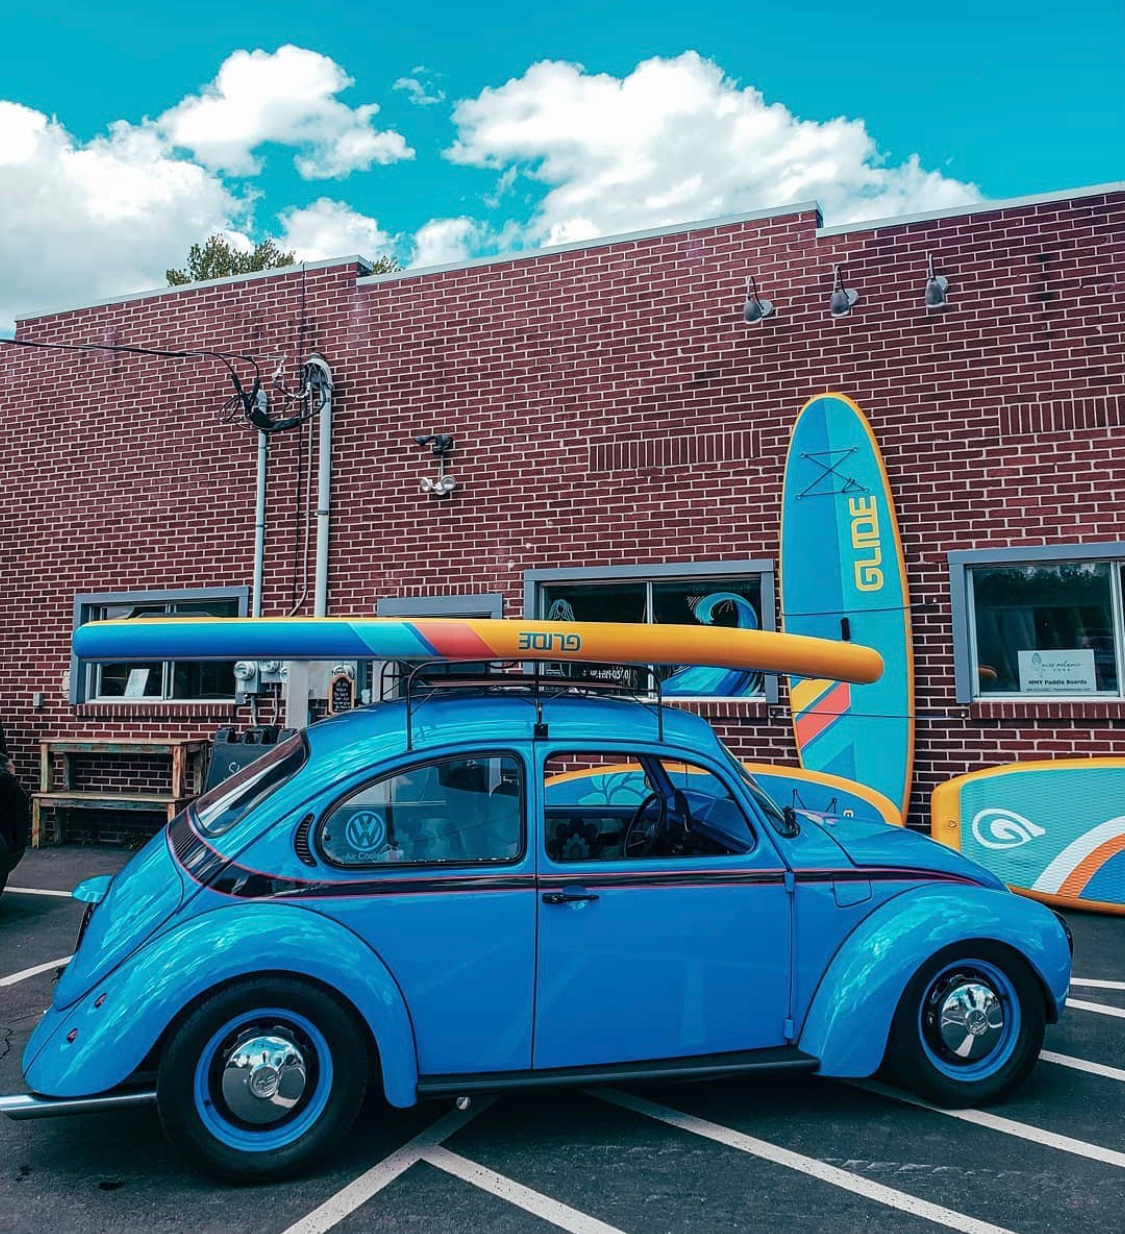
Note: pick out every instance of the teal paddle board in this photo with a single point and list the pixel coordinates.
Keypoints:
(842, 576)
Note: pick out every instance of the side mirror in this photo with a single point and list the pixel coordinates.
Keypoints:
(792, 827)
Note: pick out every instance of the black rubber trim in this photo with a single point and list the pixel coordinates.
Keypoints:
(700, 1066)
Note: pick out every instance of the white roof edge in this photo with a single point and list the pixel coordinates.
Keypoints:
(976, 207)
(672, 229)
(273, 272)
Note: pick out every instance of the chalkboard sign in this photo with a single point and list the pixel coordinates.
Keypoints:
(341, 694)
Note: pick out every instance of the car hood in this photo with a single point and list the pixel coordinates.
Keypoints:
(882, 846)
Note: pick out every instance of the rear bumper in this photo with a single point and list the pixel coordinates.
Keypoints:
(25, 1105)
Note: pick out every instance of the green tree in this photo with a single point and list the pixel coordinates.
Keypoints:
(216, 259)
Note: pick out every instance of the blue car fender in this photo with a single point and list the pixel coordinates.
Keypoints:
(849, 1019)
(96, 1043)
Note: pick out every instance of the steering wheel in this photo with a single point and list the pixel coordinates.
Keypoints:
(641, 833)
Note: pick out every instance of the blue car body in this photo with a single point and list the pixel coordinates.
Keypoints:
(521, 969)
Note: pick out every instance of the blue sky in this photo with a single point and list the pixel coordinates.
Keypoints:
(126, 129)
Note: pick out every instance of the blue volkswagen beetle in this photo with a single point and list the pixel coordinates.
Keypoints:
(491, 891)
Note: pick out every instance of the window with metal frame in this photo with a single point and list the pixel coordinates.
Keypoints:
(466, 810)
(1038, 623)
(709, 593)
(156, 682)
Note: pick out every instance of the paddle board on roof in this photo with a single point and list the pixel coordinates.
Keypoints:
(842, 576)
(468, 640)
(827, 798)
(1051, 830)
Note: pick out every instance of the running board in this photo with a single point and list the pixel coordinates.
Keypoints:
(23, 1105)
(699, 1067)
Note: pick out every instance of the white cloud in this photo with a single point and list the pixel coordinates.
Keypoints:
(331, 229)
(677, 140)
(442, 242)
(287, 96)
(81, 222)
(423, 94)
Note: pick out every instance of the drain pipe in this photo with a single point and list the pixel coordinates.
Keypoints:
(318, 382)
(260, 526)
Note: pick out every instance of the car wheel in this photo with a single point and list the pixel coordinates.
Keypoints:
(261, 1078)
(969, 1026)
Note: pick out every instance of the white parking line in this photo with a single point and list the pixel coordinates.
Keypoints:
(843, 1179)
(1096, 983)
(1082, 1064)
(534, 1202)
(1079, 1005)
(37, 891)
(34, 972)
(372, 1181)
(1009, 1126)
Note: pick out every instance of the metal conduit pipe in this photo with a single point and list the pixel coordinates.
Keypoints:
(260, 526)
(318, 381)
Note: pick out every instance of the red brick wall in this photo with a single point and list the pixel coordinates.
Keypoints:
(998, 421)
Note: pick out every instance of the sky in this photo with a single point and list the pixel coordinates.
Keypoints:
(436, 132)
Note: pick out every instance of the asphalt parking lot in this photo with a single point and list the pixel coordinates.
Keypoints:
(780, 1155)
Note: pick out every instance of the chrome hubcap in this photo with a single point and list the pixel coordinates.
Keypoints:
(970, 1019)
(264, 1077)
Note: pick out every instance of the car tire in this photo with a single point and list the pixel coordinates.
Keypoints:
(261, 1078)
(5, 858)
(969, 1025)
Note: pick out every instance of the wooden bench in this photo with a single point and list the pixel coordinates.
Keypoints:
(188, 759)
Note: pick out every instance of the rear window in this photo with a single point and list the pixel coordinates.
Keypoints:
(227, 803)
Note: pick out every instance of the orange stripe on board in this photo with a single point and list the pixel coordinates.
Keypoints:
(828, 709)
(1075, 882)
(802, 694)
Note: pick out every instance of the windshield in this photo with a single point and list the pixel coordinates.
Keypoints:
(219, 809)
(762, 799)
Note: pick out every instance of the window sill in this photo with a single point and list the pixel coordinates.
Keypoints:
(1048, 709)
(139, 709)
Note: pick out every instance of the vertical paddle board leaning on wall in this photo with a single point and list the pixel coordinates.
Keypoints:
(842, 576)
(1052, 830)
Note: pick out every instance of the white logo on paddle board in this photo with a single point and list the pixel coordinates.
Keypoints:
(1005, 829)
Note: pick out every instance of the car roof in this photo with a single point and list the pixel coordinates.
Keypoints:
(485, 719)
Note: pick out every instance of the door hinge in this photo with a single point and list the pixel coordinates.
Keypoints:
(789, 1029)
(790, 881)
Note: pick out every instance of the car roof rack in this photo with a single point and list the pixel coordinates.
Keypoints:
(534, 681)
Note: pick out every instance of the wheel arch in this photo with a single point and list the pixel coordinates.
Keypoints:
(849, 1018)
(152, 990)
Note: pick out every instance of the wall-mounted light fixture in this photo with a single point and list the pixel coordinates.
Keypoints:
(937, 287)
(443, 484)
(755, 308)
(843, 298)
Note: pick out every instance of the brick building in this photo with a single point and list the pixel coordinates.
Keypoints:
(620, 433)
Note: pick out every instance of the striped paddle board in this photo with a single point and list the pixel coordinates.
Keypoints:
(1054, 830)
(842, 576)
(469, 640)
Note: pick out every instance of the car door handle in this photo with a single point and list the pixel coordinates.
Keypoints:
(568, 895)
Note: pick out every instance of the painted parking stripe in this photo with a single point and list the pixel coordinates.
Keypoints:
(1082, 1064)
(1101, 1008)
(1096, 983)
(34, 972)
(36, 891)
(1009, 1126)
(534, 1202)
(372, 1181)
(831, 1174)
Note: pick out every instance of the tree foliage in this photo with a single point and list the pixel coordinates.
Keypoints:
(216, 259)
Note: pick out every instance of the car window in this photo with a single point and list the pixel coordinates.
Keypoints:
(602, 806)
(232, 799)
(451, 811)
